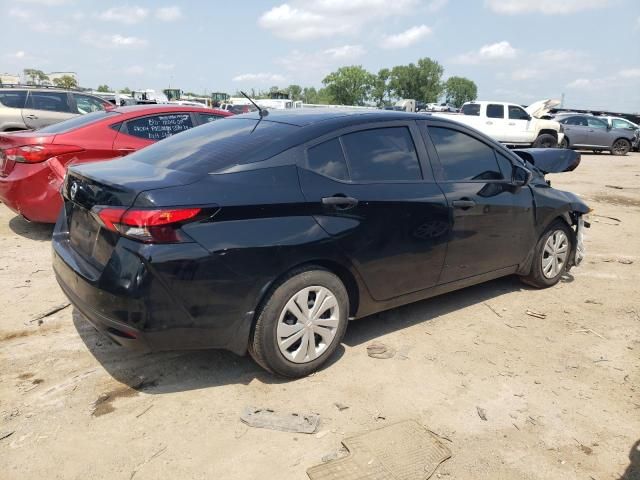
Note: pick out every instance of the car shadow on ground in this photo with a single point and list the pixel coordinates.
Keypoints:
(633, 470)
(370, 328)
(167, 372)
(32, 231)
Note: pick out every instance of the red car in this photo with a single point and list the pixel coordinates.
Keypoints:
(33, 163)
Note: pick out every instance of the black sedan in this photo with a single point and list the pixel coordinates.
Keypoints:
(268, 234)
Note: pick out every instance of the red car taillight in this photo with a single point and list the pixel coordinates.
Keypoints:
(38, 153)
(147, 225)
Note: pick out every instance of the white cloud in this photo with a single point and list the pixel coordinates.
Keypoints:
(630, 73)
(546, 7)
(407, 38)
(19, 54)
(581, 83)
(259, 77)
(47, 3)
(165, 66)
(525, 74)
(20, 13)
(312, 19)
(134, 70)
(436, 5)
(128, 15)
(113, 41)
(488, 53)
(169, 14)
(345, 52)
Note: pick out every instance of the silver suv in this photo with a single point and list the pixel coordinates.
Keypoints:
(587, 132)
(24, 108)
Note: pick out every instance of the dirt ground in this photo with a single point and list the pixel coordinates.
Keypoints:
(560, 393)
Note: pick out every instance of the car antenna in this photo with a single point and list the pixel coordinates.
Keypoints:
(263, 111)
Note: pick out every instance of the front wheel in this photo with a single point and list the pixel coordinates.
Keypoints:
(620, 147)
(551, 256)
(546, 140)
(301, 324)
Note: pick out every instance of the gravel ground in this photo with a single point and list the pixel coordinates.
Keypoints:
(560, 392)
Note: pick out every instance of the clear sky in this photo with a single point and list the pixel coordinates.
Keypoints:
(515, 50)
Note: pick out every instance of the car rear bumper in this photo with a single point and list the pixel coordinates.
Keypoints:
(145, 300)
(32, 190)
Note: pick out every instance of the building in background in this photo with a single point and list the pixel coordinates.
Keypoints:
(9, 79)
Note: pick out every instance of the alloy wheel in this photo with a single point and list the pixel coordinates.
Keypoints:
(620, 147)
(555, 253)
(308, 324)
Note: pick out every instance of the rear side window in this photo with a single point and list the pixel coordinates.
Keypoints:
(471, 109)
(463, 158)
(578, 121)
(495, 111)
(328, 159)
(49, 101)
(158, 127)
(13, 98)
(220, 145)
(517, 113)
(77, 122)
(382, 154)
(87, 104)
(208, 117)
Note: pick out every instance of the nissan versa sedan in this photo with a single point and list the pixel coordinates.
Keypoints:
(268, 234)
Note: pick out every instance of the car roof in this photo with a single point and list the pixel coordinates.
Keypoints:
(164, 107)
(302, 117)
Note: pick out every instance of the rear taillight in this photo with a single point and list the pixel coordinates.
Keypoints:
(38, 153)
(148, 225)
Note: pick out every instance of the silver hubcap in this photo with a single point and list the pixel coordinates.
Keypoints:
(308, 324)
(555, 253)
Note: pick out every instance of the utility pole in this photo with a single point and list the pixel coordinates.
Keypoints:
(562, 100)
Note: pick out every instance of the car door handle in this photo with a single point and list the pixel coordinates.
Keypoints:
(463, 204)
(489, 123)
(512, 123)
(32, 117)
(340, 201)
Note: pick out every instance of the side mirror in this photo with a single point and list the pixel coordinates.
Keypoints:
(520, 176)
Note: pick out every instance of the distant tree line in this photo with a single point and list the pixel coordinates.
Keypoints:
(354, 85)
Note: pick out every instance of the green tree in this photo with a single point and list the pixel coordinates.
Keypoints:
(65, 81)
(294, 91)
(35, 76)
(104, 88)
(349, 85)
(125, 90)
(459, 90)
(381, 89)
(420, 82)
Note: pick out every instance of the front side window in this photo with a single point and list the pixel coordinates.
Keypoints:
(382, 154)
(463, 158)
(86, 104)
(618, 123)
(157, 127)
(472, 109)
(49, 101)
(328, 159)
(517, 113)
(596, 123)
(13, 98)
(495, 111)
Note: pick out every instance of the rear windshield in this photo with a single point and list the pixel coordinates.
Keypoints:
(219, 145)
(77, 122)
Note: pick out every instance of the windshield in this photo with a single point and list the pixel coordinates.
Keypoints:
(77, 122)
(218, 145)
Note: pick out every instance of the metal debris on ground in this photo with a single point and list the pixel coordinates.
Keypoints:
(482, 413)
(625, 261)
(285, 422)
(592, 301)
(6, 434)
(341, 406)
(533, 313)
(48, 313)
(380, 350)
(400, 451)
(617, 187)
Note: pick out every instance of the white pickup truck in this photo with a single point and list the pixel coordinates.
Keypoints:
(511, 124)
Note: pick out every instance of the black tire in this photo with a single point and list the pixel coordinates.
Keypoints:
(536, 276)
(545, 140)
(564, 143)
(264, 346)
(621, 147)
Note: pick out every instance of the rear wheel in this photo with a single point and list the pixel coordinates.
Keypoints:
(564, 143)
(301, 324)
(551, 257)
(546, 140)
(620, 147)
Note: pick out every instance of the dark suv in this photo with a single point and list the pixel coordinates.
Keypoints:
(31, 107)
(269, 234)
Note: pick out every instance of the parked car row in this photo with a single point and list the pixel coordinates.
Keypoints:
(588, 132)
